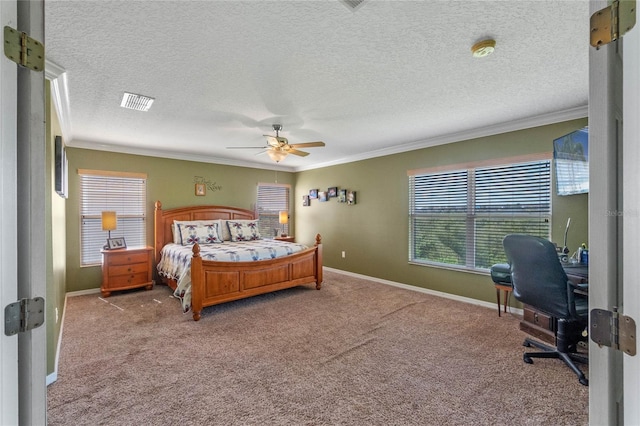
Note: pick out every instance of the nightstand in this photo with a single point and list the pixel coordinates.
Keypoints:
(288, 238)
(127, 268)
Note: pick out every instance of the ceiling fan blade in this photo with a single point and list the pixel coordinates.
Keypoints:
(296, 152)
(245, 147)
(307, 144)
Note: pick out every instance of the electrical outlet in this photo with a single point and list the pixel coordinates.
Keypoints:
(344, 254)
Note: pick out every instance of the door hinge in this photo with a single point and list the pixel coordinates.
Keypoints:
(23, 50)
(613, 330)
(23, 315)
(612, 22)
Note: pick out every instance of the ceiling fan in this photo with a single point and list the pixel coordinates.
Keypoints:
(278, 147)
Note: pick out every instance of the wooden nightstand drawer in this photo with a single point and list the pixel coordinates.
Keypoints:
(127, 269)
(128, 281)
(123, 269)
(127, 258)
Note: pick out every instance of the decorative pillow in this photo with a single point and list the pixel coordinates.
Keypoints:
(177, 238)
(223, 230)
(205, 233)
(244, 230)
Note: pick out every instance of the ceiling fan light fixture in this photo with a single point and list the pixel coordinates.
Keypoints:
(276, 155)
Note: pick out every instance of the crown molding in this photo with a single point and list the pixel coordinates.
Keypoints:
(60, 95)
(175, 155)
(494, 129)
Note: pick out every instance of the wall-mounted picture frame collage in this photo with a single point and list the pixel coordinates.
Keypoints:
(341, 195)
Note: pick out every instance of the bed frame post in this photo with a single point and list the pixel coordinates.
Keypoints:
(197, 283)
(158, 234)
(318, 262)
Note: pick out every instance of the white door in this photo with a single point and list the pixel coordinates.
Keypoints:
(631, 224)
(22, 213)
(614, 220)
(8, 223)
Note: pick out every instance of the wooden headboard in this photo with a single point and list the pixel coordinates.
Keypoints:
(164, 218)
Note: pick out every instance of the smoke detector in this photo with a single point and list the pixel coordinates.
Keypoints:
(483, 48)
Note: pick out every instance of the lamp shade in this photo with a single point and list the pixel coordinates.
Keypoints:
(283, 217)
(109, 221)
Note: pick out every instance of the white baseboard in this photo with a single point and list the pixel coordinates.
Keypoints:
(51, 378)
(469, 300)
(82, 292)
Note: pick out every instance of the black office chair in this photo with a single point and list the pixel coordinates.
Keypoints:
(540, 281)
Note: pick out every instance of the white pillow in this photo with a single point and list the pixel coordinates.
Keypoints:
(244, 230)
(201, 232)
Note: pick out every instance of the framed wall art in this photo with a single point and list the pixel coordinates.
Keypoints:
(313, 194)
(305, 200)
(322, 196)
(342, 196)
(351, 197)
(332, 192)
(61, 166)
(201, 189)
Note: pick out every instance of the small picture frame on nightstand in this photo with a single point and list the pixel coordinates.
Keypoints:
(116, 243)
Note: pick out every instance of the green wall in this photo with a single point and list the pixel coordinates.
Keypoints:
(55, 242)
(171, 182)
(374, 232)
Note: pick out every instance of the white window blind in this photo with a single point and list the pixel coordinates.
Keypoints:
(105, 191)
(459, 218)
(272, 198)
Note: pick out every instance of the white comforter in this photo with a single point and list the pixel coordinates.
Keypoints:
(175, 259)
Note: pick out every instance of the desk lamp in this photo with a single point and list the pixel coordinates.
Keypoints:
(283, 219)
(109, 223)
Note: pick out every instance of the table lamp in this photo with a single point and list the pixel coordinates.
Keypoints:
(109, 223)
(283, 218)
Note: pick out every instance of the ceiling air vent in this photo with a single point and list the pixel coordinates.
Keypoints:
(353, 4)
(137, 102)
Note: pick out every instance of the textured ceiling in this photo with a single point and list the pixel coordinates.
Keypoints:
(388, 77)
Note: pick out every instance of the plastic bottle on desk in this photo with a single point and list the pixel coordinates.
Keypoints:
(583, 254)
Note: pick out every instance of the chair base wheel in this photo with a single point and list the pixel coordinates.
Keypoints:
(527, 359)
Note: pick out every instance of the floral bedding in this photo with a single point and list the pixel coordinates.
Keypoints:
(175, 259)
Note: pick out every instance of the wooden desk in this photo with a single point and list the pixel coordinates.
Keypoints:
(543, 326)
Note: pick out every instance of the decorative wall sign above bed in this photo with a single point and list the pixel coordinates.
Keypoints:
(202, 182)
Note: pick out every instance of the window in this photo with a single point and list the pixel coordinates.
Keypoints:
(458, 218)
(124, 193)
(272, 198)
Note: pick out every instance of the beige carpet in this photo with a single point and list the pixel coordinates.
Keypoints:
(354, 353)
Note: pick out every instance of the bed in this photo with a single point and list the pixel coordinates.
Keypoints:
(213, 282)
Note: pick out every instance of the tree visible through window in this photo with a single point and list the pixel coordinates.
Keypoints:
(272, 199)
(124, 193)
(459, 218)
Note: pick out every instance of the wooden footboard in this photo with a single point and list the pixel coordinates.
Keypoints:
(215, 282)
